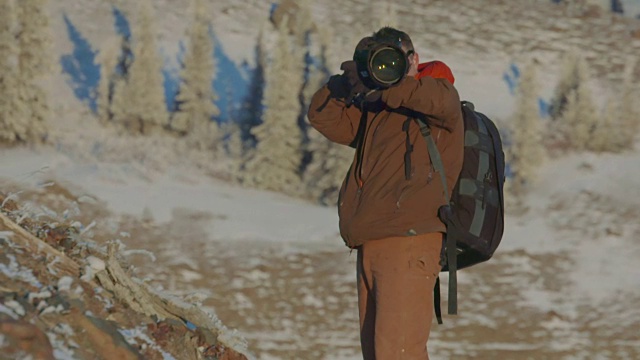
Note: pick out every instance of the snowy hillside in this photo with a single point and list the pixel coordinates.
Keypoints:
(563, 285)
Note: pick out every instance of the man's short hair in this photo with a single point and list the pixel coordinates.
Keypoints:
(389, 34)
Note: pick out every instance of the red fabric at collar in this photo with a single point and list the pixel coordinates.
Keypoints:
(435, 69)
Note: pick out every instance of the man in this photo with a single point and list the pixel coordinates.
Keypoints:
(389, 200)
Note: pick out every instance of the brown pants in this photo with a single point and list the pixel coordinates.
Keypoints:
(396, 277)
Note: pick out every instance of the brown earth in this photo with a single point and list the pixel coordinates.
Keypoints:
(297, 301)
(81, 318)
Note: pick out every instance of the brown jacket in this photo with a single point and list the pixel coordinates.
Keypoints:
(376, 199)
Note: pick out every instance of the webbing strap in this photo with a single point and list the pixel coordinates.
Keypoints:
(452, 261)
(483, 168)
(436, 300)
(434, 154)
(408, 150)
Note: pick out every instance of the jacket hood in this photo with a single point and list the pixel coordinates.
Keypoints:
(435, 69)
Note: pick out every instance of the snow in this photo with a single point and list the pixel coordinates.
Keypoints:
(64, 283)
(94, 266)
(245, 213)
(13, 270)
(603, 264)
(8, 310)
(138, 333)
(15, 307)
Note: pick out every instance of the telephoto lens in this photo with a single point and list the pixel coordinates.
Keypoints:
(388, 65)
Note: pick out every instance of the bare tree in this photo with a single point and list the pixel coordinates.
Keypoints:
(139, 103)
(196, 97)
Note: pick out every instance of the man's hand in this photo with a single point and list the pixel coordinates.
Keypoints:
(353, 82)
(349, 86)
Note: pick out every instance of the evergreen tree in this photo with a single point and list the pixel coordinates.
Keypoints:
(115, 62)
(328, 166)
(328, 58)
(629, 109)
(578, 116)
(13, 122)
(34, 64)
(196, 97)
(276, 162)
(527, 150)
(108, 59)
(607, 134)
(253, 106)
(616, 6)
(385, 13)
(302, 22)
(234, 148)
(568, 82)
(139, 103)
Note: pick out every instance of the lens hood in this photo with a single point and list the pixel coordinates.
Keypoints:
(381, 65)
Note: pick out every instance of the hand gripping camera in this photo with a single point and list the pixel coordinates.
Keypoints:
(380, 64)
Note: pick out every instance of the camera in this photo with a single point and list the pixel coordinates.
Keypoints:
(380, 65)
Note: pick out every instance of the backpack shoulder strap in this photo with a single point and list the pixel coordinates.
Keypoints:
(434, 154)
(452, 256)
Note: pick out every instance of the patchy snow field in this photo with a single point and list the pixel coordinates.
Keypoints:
(563, 285)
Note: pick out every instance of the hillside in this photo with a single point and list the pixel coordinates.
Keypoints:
(564, 284)
(63, 296)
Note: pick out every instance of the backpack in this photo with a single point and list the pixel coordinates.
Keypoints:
(474, 216)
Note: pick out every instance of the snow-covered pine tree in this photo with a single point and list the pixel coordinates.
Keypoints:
(607, 134)
(34, 64)
(526, 152)
(235, 151)
(108, 59)
(617, 7)
(303, 22)
(325, 172)
(629, 123)
(139, 103)
(568, 81)
(276, 161)
(385, 13)
(329, 161)
(582, 126)
(253, 106)
(13, 122)
(328, 58)
(579, 116)
(196, 97)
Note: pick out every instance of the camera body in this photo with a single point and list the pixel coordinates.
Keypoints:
(380, 64)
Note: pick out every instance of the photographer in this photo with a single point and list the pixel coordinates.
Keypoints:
(388, 205)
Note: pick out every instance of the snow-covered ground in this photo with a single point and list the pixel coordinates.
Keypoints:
(563, 285)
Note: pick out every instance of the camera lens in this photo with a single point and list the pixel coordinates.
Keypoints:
(388, 65)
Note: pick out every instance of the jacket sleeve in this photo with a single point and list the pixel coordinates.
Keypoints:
(435, 98)
(330, 115)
